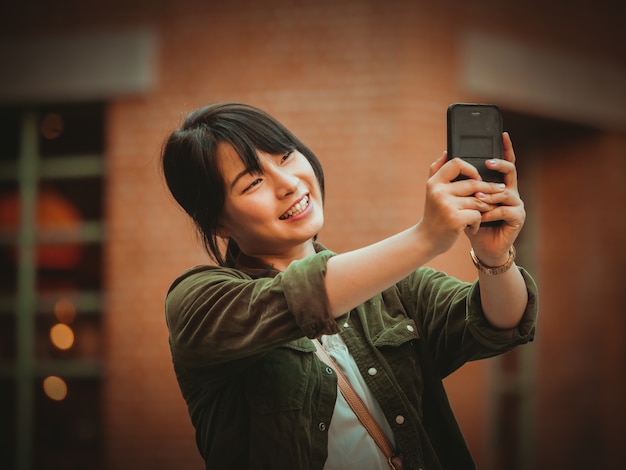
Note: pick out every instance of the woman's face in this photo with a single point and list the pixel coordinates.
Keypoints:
(272, 216)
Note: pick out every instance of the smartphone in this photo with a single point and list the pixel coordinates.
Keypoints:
(475, 135)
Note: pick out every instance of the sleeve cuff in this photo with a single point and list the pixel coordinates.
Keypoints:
(494, 338)
(305, 292)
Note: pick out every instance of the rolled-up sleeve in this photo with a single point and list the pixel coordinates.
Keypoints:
(453, 323)
(217, 314)
(503, 339)
(305, 292)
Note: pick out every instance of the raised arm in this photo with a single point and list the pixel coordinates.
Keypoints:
(503, 295)
(451, 208)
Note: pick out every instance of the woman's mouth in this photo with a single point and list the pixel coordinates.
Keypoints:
(297, 208)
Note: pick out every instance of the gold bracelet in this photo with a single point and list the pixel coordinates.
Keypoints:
(493, 270)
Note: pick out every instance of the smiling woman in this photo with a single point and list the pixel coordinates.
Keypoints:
(225, 137)
(241, 332)
(272, 213)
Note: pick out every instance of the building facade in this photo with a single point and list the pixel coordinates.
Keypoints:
(91, 239)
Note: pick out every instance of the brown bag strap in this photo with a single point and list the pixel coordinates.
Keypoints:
(359, 408)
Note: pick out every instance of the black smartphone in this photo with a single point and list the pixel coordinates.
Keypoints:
(475, 135)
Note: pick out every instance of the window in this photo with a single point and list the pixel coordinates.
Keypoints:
(51, 245)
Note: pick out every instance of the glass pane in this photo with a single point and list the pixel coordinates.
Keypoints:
(9, 134)
(9, 220)
(68, 431)
(73, 267)
(7, 337)
(71, 129)
(72, 199)
(7, 423)
(8, 271)
(75, 338)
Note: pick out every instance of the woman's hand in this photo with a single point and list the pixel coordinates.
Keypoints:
(491, 244)
(453, 207)
(503, 296)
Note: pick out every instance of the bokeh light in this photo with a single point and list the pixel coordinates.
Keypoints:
(62, 336)
(55, 387)
(65, 311)
(52, 126)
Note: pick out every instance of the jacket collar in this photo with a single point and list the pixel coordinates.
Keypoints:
(256, 268)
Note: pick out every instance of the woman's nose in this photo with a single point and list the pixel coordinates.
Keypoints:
(286, 183)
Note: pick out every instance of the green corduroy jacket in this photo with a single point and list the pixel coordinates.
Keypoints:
(258, 396)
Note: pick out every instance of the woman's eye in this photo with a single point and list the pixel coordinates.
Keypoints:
(252, 185)
(286, 155)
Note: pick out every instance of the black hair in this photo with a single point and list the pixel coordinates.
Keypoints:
(191, 170)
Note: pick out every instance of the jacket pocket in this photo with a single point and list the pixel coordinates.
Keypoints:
(399, 345)
(400, 333)
(278, 381)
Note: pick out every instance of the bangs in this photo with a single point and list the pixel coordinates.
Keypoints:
(251, 132)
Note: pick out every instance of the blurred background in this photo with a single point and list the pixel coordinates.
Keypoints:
(90, 239)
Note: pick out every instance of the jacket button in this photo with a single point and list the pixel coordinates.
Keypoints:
(329, 371)
(410, 328)
(400, 419)
(322, 426)
(372, 371)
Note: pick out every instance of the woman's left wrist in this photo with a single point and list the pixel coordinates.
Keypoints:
(496, 265)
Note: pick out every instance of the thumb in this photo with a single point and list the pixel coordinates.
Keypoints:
(437, 164)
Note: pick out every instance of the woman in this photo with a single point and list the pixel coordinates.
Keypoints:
(241, 331)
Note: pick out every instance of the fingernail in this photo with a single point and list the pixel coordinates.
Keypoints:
(481, 195)
(501, 186)
(492, 161)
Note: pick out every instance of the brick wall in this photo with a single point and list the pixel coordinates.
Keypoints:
(365, 84)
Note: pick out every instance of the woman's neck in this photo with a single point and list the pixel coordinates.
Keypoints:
(278, 261)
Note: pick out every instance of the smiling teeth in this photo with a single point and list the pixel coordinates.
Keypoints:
(295, 210)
